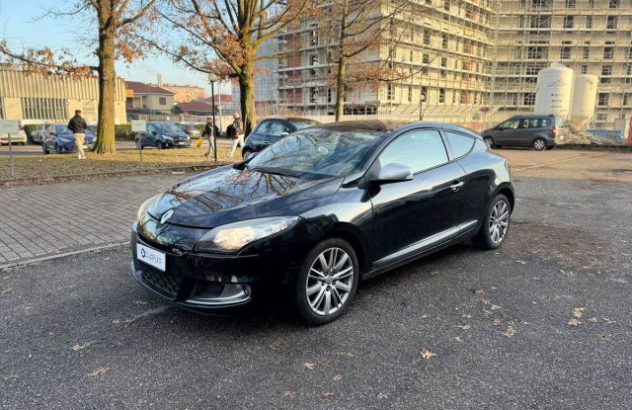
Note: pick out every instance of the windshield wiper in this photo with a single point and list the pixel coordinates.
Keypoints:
(275, 171)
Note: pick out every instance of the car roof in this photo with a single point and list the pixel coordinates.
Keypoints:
(297, 119)
(533, 116)
(390, 126)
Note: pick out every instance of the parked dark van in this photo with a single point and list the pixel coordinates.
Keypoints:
(536, 131)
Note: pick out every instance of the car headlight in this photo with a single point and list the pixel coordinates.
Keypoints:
(234, 236)
(140, 214)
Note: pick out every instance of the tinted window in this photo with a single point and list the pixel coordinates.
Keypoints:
(300, 124)
(62, 129)
(277, 128)
(419, 150)
(535, 123)
(511, 124)
(460, 144)
(263, 127)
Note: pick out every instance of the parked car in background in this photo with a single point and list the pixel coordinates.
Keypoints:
(319, 211)
(19, 138)
(536, 131)
(193, 130)
(162, 135)
(270, 130)
(58, 138)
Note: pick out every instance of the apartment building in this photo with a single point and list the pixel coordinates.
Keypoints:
(442, 49)
(589, 36)
(471, 59)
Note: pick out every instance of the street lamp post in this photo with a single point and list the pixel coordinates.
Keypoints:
(212, 78)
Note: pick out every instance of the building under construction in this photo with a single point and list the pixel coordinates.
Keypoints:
(469, 61)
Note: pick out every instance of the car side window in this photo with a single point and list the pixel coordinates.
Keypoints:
(418, 149)
(263, 127)
(277, 128)
(50, 129)
(546, 122)
(511, 124)
(459, 143)
(151, 128)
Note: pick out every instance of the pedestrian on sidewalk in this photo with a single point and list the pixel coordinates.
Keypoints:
(210, 131)
(237, 133)
(78, 127)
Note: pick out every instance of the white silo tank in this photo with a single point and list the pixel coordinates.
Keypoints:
(584, 99)
(553, 92)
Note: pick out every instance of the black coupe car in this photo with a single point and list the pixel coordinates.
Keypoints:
(319, 211)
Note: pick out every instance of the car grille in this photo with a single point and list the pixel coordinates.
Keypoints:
(168, 282)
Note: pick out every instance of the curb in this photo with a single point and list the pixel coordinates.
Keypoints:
(595, 147)
(61, 255)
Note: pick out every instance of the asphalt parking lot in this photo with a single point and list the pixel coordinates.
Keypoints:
(545, 322)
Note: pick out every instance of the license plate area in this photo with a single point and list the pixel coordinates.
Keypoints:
(151, 257)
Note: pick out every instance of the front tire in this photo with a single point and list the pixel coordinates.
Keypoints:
(160, 145)
(58, 149)
(247, 154)
(539, 144)
(327, 282)
(489, 141)
(495, 226)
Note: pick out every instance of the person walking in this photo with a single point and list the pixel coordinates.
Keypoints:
(210, 132)
(78, 127)
(237, 134)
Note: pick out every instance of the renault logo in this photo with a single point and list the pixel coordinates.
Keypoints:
(166, 216)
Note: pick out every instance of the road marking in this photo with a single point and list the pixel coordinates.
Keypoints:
(558, 162)
(62, 255)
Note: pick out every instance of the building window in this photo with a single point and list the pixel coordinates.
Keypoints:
(390, 91)
(606, 71)
(608, 52)
(429, 2)
(565, 53)
(612, 22)
(411, 56)
(454, 97)
(591, 4)
(584, 69)
(586, 52)
(540, 21)
(425, 59)
(313, 59)
(613, 4)
(529, 99)
(521, 21)
(443, 74)
(313, 38)
(44, 109)
(426, 37)
(329, 95)
(570, 4)
(162, 100)
(410, 93)
(568, 21)
(444, 41)
(446, 5)
(441, 95)
(627, 99)
(412, 35)
(532, 73)
(541, 3)
(312, 73)
(313, 95)
(423, 95)
(603, 99)
(1, 108)
(602, 117)
(629, 70)
(444, 62)
(537, 53)
(518, 53)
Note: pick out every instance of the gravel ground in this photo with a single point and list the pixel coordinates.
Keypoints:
(545, 322)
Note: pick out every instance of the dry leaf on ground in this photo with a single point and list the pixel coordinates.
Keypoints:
(427, 354)
(289, 393)
(464, 327)
(309, 366)
(458, 339)
(99, 371)
(382, 396)
(337, 377)
(509, 332)
(78, 347)
(326, 396)
(609, 321)
(348, 354)
(275, 345)
(578, 312)
(574, 322)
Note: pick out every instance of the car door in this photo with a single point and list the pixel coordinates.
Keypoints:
(508, 133)
(151, 135)
(525, 131)
(416, 215)
(258, 136)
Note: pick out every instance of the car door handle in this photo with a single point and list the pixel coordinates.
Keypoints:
(456, 186)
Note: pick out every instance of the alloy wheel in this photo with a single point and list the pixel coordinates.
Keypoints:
(489, 142)
(329, 281)
(539, 144)
(499, 222)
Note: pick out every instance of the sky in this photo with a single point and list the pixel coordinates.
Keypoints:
(22, 25)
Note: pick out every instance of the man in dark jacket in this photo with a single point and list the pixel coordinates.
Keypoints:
(210, 131)
(78, 127)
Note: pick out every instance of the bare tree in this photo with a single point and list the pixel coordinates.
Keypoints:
(224, 37)
(116, 21)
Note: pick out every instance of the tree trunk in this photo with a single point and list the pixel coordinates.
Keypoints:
(107, 92)
(340, 87)
(247, 90)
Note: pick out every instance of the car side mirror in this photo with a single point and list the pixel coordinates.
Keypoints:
(393, 173)
(154, 132)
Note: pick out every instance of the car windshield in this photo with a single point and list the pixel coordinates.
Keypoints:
(316, 153)
(62, 129)
(168, 127)
(300, 124)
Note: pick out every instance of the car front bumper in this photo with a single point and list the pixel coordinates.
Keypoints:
(210, 282)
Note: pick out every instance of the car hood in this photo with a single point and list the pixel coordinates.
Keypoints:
(227, 195)
(174, 134)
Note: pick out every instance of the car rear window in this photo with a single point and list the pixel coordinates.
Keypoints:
(459, 143)
(303, 123)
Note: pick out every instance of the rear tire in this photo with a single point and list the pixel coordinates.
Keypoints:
(495, 225)
(160, 145)
(327, 282)
(246, 154)
(539, 144)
